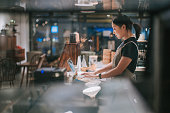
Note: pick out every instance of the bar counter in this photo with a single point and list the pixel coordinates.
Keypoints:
(117, 95)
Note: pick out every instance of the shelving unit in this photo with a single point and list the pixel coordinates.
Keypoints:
(142, 49)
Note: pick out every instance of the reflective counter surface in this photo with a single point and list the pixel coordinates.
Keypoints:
(117, 95)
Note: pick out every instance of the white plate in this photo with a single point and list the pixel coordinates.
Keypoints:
(92, 91)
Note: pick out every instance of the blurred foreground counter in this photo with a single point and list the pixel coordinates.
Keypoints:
(116, 95)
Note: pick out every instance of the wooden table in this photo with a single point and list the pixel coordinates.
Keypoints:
(26, 67)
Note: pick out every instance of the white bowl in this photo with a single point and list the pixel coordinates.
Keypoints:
(92, 91)
(93, 83)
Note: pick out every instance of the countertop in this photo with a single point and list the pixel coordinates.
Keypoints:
(117, 95)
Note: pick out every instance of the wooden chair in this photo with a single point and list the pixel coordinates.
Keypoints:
(7, 71)
(71, 51)
(0, 75)
(41, 60)
(35, 60)
(30, 54)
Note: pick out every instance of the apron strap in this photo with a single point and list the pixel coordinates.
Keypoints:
(130, 42)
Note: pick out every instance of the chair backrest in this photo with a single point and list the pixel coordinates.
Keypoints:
(7, 69)
(34, 61)
(38, 60)
(30, 54)
(41, 60)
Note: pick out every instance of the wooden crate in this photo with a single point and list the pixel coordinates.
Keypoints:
(17, 54)
(106, 56)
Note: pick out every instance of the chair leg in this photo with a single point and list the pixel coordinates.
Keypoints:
(10, 84)
(31, 82)
(27, 78)
(13, 83)
(0, 85)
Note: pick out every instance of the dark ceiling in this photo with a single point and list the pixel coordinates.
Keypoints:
(69, 5)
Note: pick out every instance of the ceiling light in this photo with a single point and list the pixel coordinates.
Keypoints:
(36, 25)
(46, 22)
(87, 11)
(108, 15)
(86, 3)
(37, 20)
(43, 24)
(83, 5)
(94, 2)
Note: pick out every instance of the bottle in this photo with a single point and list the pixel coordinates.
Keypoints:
(79, 63)
(83, 63)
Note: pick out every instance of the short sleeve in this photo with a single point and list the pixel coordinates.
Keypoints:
(129, 50)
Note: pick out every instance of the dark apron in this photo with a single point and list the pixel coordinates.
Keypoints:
(116, 59)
